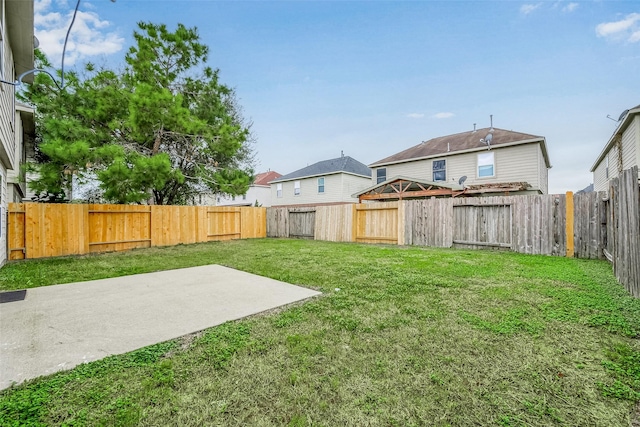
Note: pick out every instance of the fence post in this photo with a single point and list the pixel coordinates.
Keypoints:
(569, 224)
(354, 222)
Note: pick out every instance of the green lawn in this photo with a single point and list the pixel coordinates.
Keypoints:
(401, 337)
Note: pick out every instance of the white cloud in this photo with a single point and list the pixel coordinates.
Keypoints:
(528, 8)
(445, 115)
(90, 35)
(627, 29)
(570, 7)
(415, 115)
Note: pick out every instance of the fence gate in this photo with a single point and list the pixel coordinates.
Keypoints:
(302, 223)
(482, 225)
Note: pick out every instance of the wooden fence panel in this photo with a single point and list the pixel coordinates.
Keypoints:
(482, 223)
(118, 227)
(558, 239)
(39, 230)
(55, 230)
(224, 223)
(16, 231)
(277, 222)
(429, 222)
(626, 229)
(589, 239)
(254, 223)
(538, 224)
(378, 223)
(334, 223)
(302, 223)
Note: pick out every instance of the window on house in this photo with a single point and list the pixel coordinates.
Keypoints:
(244, 197)
(321, 185)
(486, 165)
(296, 188)
(278, 190)
(439, 170)
(606, 170)
(381, 175)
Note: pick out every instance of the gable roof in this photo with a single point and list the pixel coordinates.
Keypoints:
(463, 142)
(343, 164)
(625, 119)
(265, 177)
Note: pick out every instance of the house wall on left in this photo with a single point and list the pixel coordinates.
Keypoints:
(16, 50)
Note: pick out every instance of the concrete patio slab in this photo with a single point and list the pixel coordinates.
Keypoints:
(58, 327)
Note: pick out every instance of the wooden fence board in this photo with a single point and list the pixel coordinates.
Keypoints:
(254, 223)
(277, 222)
(334, 223)
(302, 223)
(16, 231)
(378, 223)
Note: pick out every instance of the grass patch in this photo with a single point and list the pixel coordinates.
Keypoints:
(413, 336)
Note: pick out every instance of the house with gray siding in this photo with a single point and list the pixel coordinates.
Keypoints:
(327, 182)
(487, 161)
(16, 57)
(621, 152)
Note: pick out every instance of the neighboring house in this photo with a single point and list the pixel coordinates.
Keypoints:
(487, 161)
(259, 192)
(621, 152)
(16, 57)
(324, 183)
(24, 121)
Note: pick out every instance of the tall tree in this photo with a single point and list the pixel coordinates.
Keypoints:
(163, 129)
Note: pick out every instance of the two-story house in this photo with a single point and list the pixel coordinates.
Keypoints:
(621, 152)
(16, 57)
(258, 194)
(324, 183)
(487, 161)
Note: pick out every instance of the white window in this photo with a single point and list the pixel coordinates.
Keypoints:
(606, 170)
(439, 170)
(321, 185)
(244, 197)
(381, 175)
(278, 190)
(296, 188)
(486, 164)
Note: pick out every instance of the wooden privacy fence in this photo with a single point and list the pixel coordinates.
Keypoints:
(594, 225)
(37, 230)
(526, 224)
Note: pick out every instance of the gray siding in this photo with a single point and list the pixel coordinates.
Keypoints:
(629, 141)
(519, 163)
(618, 161)
(600, 182)
(337, 188)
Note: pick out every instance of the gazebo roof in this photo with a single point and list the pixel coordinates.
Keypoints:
(401, 187)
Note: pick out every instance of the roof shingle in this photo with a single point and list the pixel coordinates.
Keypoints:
(450, 144)
(341, 164)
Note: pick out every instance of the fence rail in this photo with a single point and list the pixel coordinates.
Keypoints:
(38, 230)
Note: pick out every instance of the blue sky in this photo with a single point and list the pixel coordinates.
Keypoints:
(372, 78)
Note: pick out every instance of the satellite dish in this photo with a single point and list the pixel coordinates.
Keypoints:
(624, 113)
(487, 140)
(462, 179)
